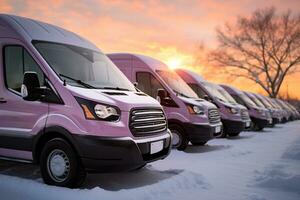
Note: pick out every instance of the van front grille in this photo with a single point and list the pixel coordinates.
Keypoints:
(245, 115)
(147, 121)
(214, 116)
(268, 114)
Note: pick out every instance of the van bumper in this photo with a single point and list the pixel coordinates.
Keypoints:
(276, 120)
(200, 133)
(262, 123)
(247, 124)
(116, 154)
(233, 127)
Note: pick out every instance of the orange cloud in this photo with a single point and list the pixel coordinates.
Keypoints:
(170, 30)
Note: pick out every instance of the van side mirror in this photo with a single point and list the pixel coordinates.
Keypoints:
(161, 95)
(164, 99)
(32, 91)
(207, 98)
(30, 86)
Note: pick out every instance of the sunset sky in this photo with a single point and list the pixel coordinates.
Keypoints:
(170, 30)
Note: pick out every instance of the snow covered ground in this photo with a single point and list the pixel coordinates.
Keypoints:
(254, 166)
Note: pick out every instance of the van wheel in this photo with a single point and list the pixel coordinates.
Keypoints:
(234, 134)
(179, 138)
(198, 143)
(60, 165)
(256, 127)
(222, 134)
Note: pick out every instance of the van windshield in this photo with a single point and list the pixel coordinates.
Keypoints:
(83, 67)
(176, 83)
(255, 100)
(265, 102)
(248, 101)
(218, 92)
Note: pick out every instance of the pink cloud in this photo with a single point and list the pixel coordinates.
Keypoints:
(157, 28)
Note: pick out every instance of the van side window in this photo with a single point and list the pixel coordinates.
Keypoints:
(148, 83)
(17, 61)
(144, 82)
(155, 85)
(197, 90)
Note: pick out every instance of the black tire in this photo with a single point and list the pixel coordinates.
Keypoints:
(73, 176)
(199, 143)
(256, 127)
(222, 134)
(183, 139)
(233, 134)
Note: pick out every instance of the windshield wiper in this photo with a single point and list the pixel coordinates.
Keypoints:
(78, 81)
(181, 94)
(220, 99)
(115, 88)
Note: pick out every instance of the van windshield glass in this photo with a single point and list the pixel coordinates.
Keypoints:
(265, 102)
(83, 67)
(177, 84)
(247, 100)
(256, 101)
(218, 92)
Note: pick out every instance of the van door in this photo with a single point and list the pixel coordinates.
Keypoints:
(20, 120)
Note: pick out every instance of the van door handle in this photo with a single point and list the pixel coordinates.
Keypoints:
(2, 100)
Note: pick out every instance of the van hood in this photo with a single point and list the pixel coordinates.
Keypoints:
(230, 105)
(242, 107)
(124, 100)
(200, 102)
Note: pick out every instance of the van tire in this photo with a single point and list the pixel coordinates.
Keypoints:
(59, 155)
(181, 136)
(234, 134)
(256, 127)
(222, 134)
(198, 143)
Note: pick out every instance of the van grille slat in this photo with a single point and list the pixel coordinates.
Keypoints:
(245, 115)
(148, 121)
(214, 116)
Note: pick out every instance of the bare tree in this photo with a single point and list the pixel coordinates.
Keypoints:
(264, 48)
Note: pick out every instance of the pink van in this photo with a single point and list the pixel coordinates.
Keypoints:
(65, 106)
(234, 116)
(190, 118)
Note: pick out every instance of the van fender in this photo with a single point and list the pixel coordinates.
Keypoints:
(175, 116)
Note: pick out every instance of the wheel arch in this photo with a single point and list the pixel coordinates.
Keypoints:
(50, 133)
(178, 123)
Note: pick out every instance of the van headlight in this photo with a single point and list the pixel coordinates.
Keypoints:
(97, 111)
(232, 110)
(104, 112)
(262, 112)
(197, 110)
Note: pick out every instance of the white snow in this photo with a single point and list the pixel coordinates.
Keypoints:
(255, 166)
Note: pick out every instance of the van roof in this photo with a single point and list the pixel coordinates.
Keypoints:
(191, 76)
(27, 30)
(230, 88)
(153, 63)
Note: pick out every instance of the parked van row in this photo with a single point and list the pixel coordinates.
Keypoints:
(73, 110)
(236, 110)
(190, 118)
